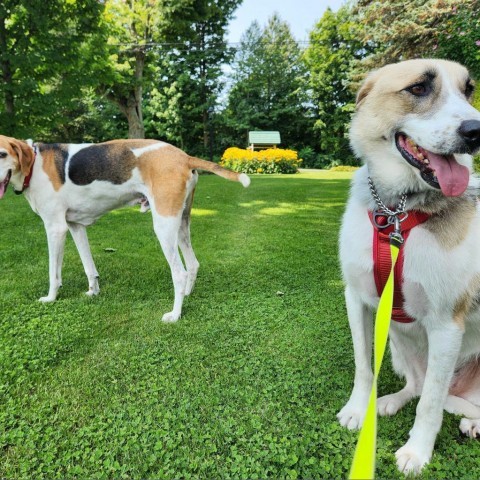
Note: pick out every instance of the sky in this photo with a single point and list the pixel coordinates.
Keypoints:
(301, 15)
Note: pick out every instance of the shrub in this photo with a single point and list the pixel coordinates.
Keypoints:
(271, 160)
(344, 168)
(309, 157)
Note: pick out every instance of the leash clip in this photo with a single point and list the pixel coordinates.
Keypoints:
(396, 237)
(394, 219)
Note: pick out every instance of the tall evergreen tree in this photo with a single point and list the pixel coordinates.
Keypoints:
(268, 91)
(189, 71)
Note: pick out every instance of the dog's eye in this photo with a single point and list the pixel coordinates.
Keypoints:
(3, 154)
(419, 89)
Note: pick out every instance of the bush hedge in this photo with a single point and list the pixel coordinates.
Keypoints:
(271, 160)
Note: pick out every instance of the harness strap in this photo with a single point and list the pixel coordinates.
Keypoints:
(382, 262)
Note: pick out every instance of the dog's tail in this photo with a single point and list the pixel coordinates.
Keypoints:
(197, 163)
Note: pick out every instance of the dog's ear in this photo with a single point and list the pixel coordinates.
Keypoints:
(366, 88)
(24, 154)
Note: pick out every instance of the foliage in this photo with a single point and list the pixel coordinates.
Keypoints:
(91, 119)
(308, 156)
(343, 168)
(459, 37)
(181, 105)
(399, 30)
(163, 66)
(270, 160)
(45, 54)
(133, 28)
(334, 45)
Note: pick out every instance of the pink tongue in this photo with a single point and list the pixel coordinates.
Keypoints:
(452, 177)
(2, 188)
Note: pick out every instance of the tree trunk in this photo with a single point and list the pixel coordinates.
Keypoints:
(131, 105)
(136, 129)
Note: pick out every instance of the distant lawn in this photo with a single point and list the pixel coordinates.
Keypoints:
(246, 385)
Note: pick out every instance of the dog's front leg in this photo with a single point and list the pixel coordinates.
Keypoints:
(361, 325)
(79, 235)
(443, 348)
(56, 233)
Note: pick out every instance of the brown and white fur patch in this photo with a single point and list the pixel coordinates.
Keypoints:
(73, 185)
(415, 130)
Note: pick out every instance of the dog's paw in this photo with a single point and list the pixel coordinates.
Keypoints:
(470, 427)
(92, 292)
(351, 417)
(390, 404)
(410, 461)
(170, 317)
(47, 299)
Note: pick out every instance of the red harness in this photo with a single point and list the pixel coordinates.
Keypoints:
(382, 262)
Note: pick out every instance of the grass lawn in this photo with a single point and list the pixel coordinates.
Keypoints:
(246, 385)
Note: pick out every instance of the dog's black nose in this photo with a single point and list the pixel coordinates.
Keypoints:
(470, 132)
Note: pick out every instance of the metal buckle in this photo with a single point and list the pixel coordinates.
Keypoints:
(395, 220)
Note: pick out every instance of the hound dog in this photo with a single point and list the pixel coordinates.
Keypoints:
(71, 186)
(415, 130)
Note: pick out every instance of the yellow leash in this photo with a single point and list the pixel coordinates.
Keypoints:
(363, 466)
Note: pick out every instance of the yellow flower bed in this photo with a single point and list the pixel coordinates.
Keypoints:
(270, 160)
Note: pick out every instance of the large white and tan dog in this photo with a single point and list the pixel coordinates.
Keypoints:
(71, 186)
(415, 130)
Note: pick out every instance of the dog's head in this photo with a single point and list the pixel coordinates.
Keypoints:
(414, 126)
(16, 159)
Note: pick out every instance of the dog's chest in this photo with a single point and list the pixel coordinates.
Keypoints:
(436, 272)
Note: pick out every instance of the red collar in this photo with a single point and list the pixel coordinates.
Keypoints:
(26, 180)
(382, 262)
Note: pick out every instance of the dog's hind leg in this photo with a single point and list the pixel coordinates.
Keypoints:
(167, 231)
(444, 345)
(184, 241)
(79, 235)
(56, 233)
(361, 325)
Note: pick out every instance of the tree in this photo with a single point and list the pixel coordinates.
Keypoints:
(134, 26)
(188, 82)
(268, 91)
(334, 46)
(400, 30)
(41, 60)
(459, 37)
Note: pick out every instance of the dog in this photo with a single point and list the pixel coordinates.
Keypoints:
(70, 186)
(415, 130)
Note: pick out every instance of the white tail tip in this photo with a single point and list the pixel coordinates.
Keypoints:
(244, 179)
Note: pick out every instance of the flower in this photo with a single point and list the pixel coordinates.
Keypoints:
(270, 160)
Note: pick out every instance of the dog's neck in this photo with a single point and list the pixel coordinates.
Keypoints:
(429, 201)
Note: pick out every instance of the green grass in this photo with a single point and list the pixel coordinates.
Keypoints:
(246, 385)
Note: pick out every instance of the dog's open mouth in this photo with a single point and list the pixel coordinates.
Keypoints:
(4, 184)
(439, 171)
